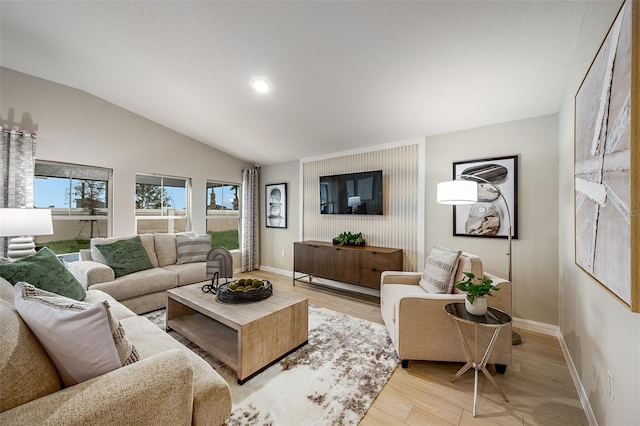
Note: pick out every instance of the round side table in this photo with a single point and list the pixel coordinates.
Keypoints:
(495, 319)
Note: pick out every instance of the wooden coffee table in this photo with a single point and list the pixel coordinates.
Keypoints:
(247, 337)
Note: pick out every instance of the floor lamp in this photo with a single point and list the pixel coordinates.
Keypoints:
(460, 192)
(22, 224)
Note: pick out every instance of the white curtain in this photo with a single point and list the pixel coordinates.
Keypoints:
(250, 222)
(17, 167)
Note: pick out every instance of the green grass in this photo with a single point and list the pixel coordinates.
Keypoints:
(226, 239)
(67, 246)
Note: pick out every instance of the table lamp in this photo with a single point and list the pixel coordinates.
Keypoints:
(22, 224)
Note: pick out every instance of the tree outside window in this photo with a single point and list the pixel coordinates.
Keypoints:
(161, 204)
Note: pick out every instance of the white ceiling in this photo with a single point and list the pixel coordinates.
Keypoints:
(345, 75)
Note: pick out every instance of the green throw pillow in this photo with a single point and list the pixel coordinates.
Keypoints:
(125, 256)
(44, 271)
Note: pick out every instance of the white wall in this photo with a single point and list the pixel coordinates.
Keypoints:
(76, 127)
(535, 252)
(599, 331)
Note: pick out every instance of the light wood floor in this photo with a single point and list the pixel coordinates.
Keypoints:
(537, 383)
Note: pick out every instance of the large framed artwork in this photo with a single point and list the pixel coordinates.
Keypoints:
(489, 217)
(276, 205)
(607, 158)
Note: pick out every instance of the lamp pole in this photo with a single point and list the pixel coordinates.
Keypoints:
(483, 180)
(515, 337)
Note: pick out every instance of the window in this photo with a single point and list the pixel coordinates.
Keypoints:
(78, 197)
(223, 214)
(161, 204)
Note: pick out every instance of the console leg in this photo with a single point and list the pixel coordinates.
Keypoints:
(405, 363)
(500, 368)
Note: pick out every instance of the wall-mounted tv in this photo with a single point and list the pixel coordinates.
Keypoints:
(351, 193)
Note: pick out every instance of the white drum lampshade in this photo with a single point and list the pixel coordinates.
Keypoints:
(457, 192)
(22, 224)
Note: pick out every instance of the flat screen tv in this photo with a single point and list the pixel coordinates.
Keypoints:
(351, 193)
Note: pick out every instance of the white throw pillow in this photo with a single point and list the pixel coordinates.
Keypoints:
(82, 340)
(440, 270)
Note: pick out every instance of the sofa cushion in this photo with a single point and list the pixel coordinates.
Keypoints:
(125, 256)
(208, 385)
(165, 246)
(118, 310)
(82, 340)
(189, 273)
(147, 243)
(192, 248)
(139, 284)
(439, 273)
(26, 372)
(43, 270)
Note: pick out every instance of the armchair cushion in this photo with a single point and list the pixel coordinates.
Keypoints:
(440, 271)
(83, 340)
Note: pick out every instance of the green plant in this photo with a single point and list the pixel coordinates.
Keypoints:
(349, 239)
(475, 286)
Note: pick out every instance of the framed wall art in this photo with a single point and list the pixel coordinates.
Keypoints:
(607, 157)
(275, 201)
(489, 217)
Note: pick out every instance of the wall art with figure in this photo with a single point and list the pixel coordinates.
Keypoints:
(489, 217)
(276, 205)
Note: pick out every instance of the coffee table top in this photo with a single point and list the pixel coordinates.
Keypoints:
(233, 314)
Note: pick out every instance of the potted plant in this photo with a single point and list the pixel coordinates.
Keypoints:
(477, 289)
(349, 239)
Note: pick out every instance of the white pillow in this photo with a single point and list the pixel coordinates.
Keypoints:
(440, 270)
(82, 340)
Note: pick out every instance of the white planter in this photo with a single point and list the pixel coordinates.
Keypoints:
(478, 307)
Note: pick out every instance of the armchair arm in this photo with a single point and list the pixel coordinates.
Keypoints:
(400, 277)
(89, 272)
(152, 391)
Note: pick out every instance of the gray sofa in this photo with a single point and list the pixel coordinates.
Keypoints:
(141, 291)
(168, 385)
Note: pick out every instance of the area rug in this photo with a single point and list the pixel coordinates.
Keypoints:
(330, 381)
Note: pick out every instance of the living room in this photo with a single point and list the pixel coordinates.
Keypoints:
(551, 294)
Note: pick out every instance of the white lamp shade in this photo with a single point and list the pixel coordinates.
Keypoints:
(28, 222)
(457, 192)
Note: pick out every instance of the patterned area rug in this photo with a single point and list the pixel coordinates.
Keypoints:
(330, 381)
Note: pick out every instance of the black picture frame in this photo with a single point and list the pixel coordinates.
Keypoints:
(275, 201)
(479, 220)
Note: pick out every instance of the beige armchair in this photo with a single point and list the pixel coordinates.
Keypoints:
(421, 330)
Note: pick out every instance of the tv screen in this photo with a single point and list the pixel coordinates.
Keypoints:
(351, 193)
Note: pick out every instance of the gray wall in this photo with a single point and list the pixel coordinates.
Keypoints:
(535, 252)
(600, 332)
(273, 241)
(76, 127)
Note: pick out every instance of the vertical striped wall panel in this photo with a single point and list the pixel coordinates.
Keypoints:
(397, 227)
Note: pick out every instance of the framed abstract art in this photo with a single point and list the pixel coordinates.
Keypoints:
(607, 158)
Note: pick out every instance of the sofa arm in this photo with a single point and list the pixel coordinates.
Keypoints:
(152, 391)
(400, 277)
(89, 272)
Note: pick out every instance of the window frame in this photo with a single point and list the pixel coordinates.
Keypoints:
(162, 215)
(207, 216)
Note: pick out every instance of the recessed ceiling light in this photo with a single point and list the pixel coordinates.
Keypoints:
(261, 85)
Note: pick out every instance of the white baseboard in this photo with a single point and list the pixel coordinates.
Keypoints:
(582, 394)
(284, 272)
(538, 327)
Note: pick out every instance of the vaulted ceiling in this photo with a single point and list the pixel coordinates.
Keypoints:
(344, 74)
